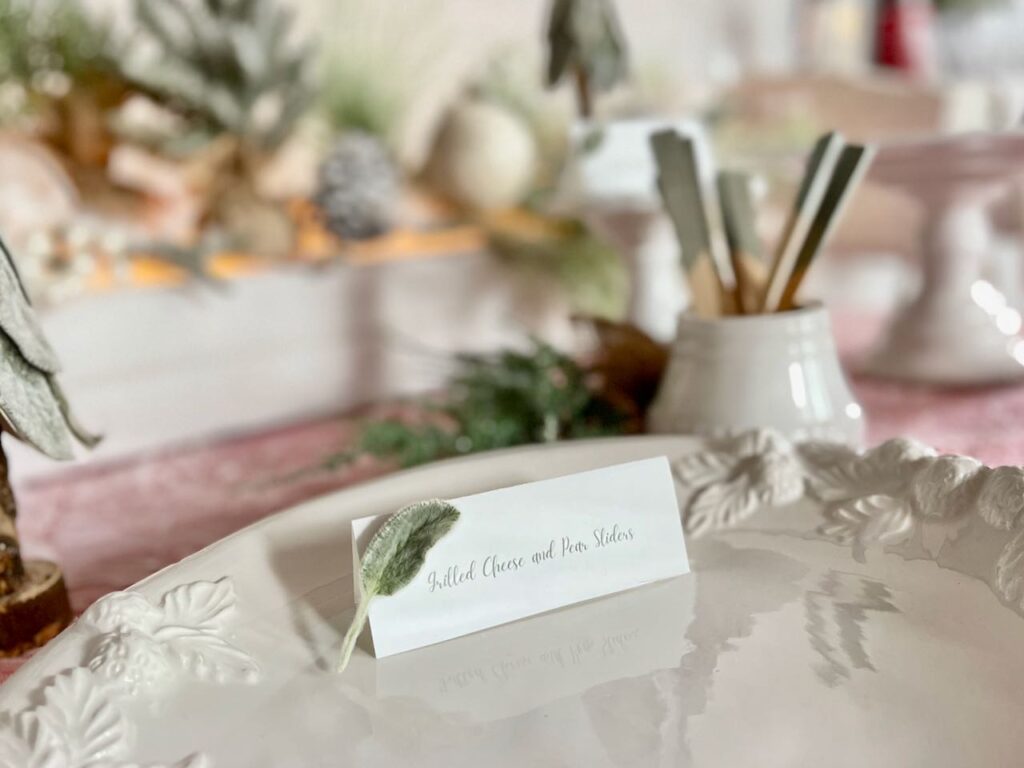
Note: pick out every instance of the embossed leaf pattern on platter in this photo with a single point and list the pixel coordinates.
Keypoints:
(76, 726)
(145, 643)
(756, 481)
(745, 473)
(207, 656)
(123, 608)
(722, 505)
(1001, 502)
(873, 497)
(697, 470)
(837, 472)
(867, 519)
(1010, 572)
(763, 469)
(80, 722)
(203, 605)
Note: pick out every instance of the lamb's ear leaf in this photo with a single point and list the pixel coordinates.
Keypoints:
(28, 408)
(395, 555)
(396, 552)
(82, 435)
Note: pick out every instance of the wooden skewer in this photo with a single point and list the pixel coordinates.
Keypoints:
(739, 218)
(680, 186)
(721, 256)
(815, 182)
(849, 171)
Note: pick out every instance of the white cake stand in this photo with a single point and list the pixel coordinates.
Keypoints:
(960, 329)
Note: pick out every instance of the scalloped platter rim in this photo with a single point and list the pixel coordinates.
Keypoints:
(844, 609)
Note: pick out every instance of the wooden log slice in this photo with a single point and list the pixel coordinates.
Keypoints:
(35, 612)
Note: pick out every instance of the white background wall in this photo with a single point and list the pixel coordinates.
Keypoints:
(684, 39)
(686, 43)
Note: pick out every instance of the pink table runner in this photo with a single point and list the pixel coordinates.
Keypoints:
(111, 526)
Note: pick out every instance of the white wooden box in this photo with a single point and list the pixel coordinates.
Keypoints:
(153, 367)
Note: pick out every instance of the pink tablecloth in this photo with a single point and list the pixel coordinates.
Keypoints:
(110, 526)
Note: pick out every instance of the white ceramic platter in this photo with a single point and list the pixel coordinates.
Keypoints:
(843, 610)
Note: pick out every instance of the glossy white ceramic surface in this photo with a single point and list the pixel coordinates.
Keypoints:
(843, 611)
(960, 329)
(778, 371)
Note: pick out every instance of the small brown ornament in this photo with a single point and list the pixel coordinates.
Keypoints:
(34, 614)
(627, 365)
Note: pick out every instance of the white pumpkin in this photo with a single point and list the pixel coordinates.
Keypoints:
(483, 156)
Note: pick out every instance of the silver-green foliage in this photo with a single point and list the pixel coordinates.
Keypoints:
(395, 555)
(229, 63)
(944, 6)
(32, 406)
(376, 58)
(39, 38)
(585, 36)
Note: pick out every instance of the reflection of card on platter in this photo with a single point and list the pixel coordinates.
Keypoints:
(511, 669)
(528, 549)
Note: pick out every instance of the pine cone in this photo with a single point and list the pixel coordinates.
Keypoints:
(358, 187)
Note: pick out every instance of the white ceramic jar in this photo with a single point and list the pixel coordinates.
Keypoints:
(779, 371)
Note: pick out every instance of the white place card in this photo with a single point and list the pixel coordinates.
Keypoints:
(529, 549)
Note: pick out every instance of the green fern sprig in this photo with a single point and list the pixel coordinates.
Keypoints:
(497, 401)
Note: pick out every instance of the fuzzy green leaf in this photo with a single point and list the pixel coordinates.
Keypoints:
(18, 320)
(28, 409)
(40, 38)
(586, 35)
(396, 552)
(944, 6)
(395, 555)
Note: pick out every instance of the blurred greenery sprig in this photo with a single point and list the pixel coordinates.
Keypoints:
(497, 401)
(375, 59)
(944, 6)
(585, 42)
(231, 65)
(589, 270)
(42, 38)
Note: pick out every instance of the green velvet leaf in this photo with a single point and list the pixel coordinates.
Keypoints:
(396, 552)
(32, 405)
(395, 555)
(27, 404)
(586, 35)
(86, 437)
(18, 319)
